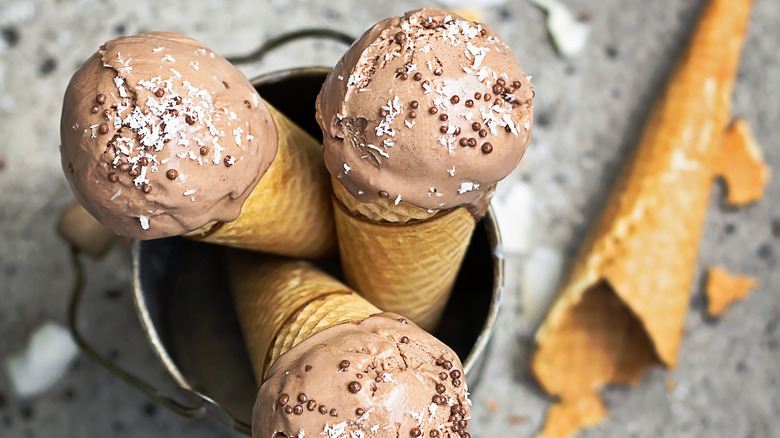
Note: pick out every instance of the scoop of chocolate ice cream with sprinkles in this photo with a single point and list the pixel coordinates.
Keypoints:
(430, 109)
(160, 136)
(382, 377)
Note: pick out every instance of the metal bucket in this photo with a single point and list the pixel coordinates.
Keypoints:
(180, 292)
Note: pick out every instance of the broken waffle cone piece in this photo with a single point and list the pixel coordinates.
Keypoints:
(740, 162)
(724, 288)
(624, 305)
(404, 260)
(564, 419)
(289, 212)
(281, 302)
(80, 229)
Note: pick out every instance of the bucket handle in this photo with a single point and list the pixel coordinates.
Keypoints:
(276, 42)
(200, 406)
(191, 411)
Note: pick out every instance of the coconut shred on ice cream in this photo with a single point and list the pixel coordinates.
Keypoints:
(429, 108)
(382, 377)
(160, 136)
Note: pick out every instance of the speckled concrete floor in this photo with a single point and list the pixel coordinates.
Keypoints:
(589, 110)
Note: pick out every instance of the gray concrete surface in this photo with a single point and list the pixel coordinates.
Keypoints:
(589, 110)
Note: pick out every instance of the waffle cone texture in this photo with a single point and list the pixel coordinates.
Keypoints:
(281, 302)
(401, 258)
(289, 212)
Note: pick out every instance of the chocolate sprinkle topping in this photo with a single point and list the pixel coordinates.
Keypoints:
(283, 399)
(414, 104)
(204, 150)
(354, 387)
(415, 432)
(288, 409)
(383, 194)
(455, 374)
(298, 410)
(159, 92)
(344, 365)
(417, 76)
(101, 98)
(487, 147)
(311, 405)
(95, 109)
(405, 339)
(146, 188)
(103, 129)
(400, 37)
(455, 99)
(469, 103)
(334, 413)
(302, 397)
(359, 412)
(433, 110)
(113, 177)
(323, 410)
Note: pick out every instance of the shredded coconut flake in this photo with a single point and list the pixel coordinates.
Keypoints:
(467, 187)
(144, 222)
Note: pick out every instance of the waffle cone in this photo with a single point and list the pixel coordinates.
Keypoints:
(289, 211)
(625, 303)
(401, 265)
(281, 302)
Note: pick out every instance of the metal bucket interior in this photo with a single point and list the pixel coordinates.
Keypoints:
(182, 297)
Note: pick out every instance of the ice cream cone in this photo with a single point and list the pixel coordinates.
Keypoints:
(328, 362)
(289, 210)
(414, 162)
(624, 305)
(281, 302)
(419, 253)
(162, 137)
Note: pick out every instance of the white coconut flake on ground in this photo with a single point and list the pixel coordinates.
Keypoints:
(48, 356)
(540, 277)
(568, 34)
(513, 204)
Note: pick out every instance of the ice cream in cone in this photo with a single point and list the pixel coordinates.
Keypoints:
(163, 137)
(420, 119)
(328, 362)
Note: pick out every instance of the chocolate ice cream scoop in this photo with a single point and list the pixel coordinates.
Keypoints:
(429, 109)
(161, 136)
(379, 377)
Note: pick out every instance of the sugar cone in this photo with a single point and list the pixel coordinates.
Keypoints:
(401, 258)
(289, 211)
(625, 303)
(281, 302)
